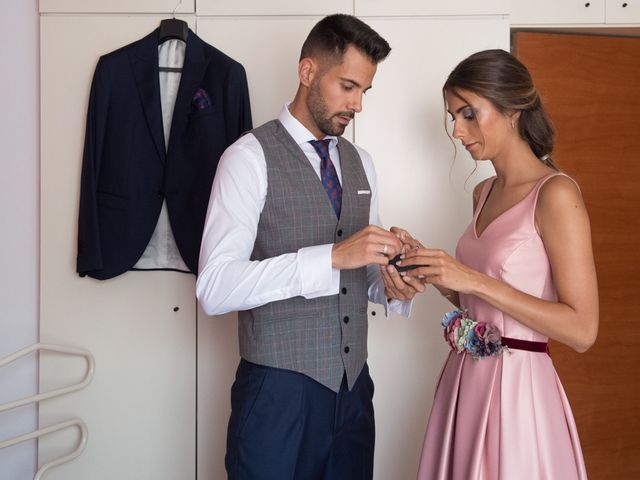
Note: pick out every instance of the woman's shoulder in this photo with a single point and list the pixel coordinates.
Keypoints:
(558, 188)
(559, 204)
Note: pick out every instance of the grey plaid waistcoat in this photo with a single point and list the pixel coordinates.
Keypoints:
(320, 337)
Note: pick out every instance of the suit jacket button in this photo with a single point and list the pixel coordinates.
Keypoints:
(339, 233)
(345, 319)
(344, 290)
(346, 349)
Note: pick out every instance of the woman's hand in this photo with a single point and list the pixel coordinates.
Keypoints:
(438, 268)
(395, 286)
(406, 238)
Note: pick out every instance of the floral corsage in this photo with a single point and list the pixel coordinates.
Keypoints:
(465, 334)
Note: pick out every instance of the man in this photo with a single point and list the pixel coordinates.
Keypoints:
(292, 241)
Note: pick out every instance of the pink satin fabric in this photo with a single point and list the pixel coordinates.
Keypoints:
(505, 417)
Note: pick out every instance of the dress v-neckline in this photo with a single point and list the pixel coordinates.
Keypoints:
(497, 217)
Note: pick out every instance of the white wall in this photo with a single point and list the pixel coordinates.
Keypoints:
(19, 217)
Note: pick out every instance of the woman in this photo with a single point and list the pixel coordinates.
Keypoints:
(524, 269)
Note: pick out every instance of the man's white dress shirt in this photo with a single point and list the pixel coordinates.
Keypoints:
(228, 280)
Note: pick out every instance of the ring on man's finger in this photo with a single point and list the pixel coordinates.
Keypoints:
(384, 249)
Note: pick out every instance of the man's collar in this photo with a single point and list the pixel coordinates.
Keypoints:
(297, 130)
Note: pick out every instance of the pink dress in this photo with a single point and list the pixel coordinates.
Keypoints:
(503, 417)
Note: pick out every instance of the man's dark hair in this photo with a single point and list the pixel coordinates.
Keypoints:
(333, 34)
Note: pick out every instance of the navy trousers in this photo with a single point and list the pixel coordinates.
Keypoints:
(286, 426)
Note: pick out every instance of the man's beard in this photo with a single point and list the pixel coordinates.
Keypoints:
(319, 113)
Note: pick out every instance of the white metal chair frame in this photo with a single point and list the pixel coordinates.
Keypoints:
(76, 422)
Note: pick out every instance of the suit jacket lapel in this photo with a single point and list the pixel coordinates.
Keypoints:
(144, 63)
(195, 64)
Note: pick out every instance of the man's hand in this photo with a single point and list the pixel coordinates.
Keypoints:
(370, 245)
(397, 287)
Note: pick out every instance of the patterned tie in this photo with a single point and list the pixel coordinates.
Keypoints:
(328, 174)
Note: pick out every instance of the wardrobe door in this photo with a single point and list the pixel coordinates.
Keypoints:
(402, 127)
(529, 12)
(117, 6)
(623, 11)
(423, 189)
(274, 7)
(439, 8)
(273, 80)
(140, 326)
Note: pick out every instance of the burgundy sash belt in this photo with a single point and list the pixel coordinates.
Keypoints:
(518, 344)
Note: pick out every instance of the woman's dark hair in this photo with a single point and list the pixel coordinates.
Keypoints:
(502, 79)
(333, 34)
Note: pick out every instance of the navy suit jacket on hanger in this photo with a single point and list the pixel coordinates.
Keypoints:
(126, 173)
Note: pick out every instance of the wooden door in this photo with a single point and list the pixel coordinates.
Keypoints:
(591, 87)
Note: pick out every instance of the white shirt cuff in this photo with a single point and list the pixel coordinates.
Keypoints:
(318, 277)
(401, 307)
(377, 295)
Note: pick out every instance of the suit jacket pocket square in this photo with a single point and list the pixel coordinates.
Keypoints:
(201, 99)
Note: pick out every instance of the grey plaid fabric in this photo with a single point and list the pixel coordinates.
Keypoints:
(320, 337)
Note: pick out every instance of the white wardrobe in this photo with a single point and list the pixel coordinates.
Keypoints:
(159, 402)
